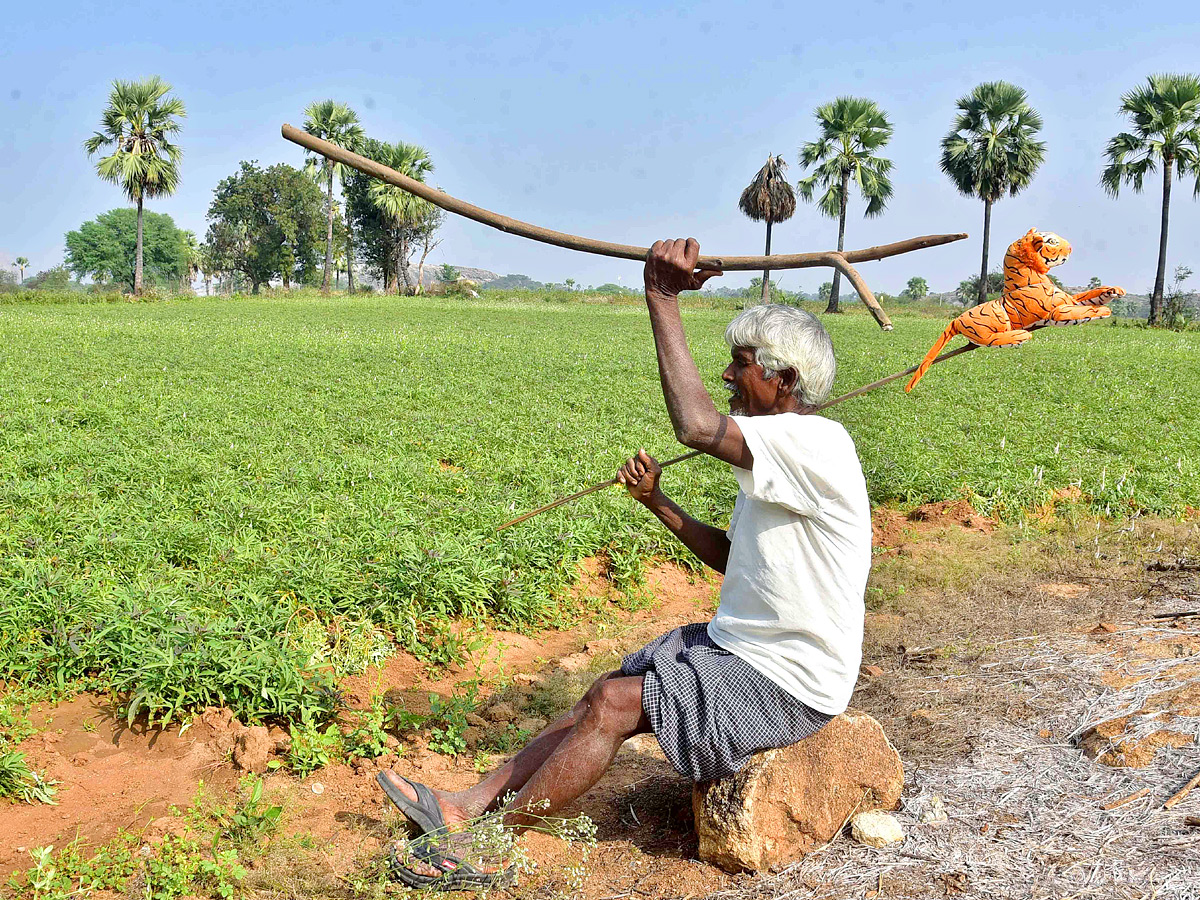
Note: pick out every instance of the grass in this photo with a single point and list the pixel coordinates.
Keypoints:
(187, 487)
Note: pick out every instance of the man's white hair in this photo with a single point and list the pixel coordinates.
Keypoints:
(784, 337)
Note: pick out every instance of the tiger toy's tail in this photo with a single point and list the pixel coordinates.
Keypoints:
(951, 330)
(986, 325)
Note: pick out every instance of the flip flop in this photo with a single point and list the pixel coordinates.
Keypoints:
(426, 814)
(457, 873)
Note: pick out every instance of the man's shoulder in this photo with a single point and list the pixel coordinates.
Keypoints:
(804, 426)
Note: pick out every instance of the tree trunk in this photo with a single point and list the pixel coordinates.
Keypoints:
(766, 285)
(328, 227)
(1160, 278)
(349, 254)
(837, 276)
(137, 258)
(402, 265)
(987, 235)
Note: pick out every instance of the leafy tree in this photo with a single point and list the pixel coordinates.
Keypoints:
(1094, 282)
(267, 223)
(448, 273)
(991, 150)
(768, 198)
(825, 291)
(404, 212)
(852, 130)
(140, 124)
(1165, 112)
(22, 263)
(55, 279)
(969, 292)
(774, 293)
(337, 123)
(916, 289)
(424, 233)
(125, 246)
(1175, 310)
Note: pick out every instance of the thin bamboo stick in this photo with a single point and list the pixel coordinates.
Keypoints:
(670, 462)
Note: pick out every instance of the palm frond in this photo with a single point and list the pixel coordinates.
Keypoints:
(769, 197)
(852, 130)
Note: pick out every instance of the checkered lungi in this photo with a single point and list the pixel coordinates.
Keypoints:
(711, 710)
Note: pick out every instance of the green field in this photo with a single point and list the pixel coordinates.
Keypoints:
(191, 491)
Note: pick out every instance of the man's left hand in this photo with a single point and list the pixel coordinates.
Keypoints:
(671, 268)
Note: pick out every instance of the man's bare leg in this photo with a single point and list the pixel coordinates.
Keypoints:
(608, 715)
(459, 806)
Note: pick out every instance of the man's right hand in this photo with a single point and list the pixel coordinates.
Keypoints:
(640, 476)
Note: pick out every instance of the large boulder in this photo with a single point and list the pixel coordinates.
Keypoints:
(788, 802)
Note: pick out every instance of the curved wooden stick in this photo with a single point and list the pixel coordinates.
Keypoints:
(841, 261)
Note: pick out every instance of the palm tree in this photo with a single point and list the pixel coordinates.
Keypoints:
(769, 198)
(1166, 127)
(337, 123)
(852, 130)
(21, 262)
(991, 150)
(403, 209)
(139, 125)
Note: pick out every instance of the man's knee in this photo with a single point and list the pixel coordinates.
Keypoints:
(613, 704)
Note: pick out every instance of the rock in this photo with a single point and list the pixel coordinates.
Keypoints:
(500, 712)
(472, 734)
(871, 671)
(476, 720)
(391, 742)
(1110, 743)
(252, 749)
(523, 678)
(876, 829)
(599, 646)
(788, 802)
(575, 663)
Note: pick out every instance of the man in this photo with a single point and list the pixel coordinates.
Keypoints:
(781, 656)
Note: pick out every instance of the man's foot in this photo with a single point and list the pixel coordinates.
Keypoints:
(419, 807)
(448, 862)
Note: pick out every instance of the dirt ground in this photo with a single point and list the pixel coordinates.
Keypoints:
(974, 630)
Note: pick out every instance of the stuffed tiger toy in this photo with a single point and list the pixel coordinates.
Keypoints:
(1029, 299)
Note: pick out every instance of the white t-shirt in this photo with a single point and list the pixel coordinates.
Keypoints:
(799, 555)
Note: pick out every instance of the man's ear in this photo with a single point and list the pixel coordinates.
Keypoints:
(788, 379)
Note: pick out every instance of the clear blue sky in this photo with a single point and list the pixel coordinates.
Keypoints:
(622, 122)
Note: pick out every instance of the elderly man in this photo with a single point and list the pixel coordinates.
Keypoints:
(781, 656)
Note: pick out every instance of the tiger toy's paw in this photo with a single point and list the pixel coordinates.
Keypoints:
(1078, 314)
(1110, 293)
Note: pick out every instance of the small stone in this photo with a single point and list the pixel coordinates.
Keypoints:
(476, 720)
(1104, 628)
(934, 812)
(391, 742)
(523, 678)
(871, 671)
(876, 829)
(318, 788)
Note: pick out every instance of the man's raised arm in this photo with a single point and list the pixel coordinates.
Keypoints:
(671, 268)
